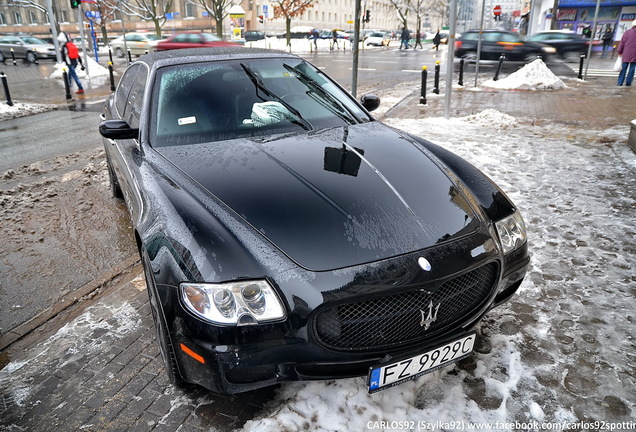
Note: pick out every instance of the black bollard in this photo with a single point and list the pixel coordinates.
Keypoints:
(129, 56)
(67, 87)
(112, 76)
(461, 72)
(423, 91)
(35, 58)
(7, 94)
(581, 66)
(501, 59)
(436, 89)
(110, 55)
(13, 57)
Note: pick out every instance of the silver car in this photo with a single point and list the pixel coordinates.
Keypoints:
(29, 48)
(137, 43)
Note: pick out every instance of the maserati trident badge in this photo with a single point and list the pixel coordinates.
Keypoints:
(430, 317)
(424, 264)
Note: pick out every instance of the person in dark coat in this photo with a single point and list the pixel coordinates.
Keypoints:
(436, 40)
(608, 39)
(405, 36)
(627, 50)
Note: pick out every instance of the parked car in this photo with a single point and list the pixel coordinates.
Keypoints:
(137, 43)
(287, 235)
(193, 40)
(26, 47)
(254, 35)
(377, 39)
(568, 45)
(497, 42)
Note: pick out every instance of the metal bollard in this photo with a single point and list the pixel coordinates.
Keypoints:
(112, 76)
(423, 91)
(501, 59)
(436, 89)
(110, 55)
(7, 93)
(461, 72)
(67, 87)
(581, 66)
(13, 57)
(129, 56)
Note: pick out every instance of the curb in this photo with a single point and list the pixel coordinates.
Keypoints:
(70, 303)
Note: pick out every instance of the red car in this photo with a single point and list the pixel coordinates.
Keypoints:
(193, 40)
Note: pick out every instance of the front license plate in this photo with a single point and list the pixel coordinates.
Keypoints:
(381, 377)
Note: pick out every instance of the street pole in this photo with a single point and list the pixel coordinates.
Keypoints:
(356, 43)
(80, 25)
(481, 33)
(589, 48)
(49, 10)
(450, 57)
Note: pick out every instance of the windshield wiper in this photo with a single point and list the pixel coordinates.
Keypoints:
(259, 84)
(342, 111)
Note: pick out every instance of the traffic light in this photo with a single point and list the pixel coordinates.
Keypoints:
(260, 18)
(75, 3)
(367, 16)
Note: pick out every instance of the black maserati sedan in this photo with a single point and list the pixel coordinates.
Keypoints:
(287, 235)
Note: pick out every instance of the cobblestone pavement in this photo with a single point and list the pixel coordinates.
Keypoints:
(99, 368)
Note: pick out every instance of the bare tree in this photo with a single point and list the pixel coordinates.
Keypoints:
(289, 9)
(402, 8)
(219, 10)
(147, 10)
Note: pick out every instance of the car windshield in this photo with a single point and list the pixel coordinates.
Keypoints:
(216, 101)
(208, 37)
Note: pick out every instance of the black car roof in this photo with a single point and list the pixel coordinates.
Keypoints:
(195, 55)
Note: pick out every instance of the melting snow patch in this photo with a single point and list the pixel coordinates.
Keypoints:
(492, 118)
(533, 76)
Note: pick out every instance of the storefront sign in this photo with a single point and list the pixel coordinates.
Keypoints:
(566, 14)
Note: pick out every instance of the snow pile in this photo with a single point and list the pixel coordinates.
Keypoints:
(95, 75)
(22, 109)
(491, 118)
(533, 76)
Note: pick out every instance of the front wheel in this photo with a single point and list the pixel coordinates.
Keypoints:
(165, 343)
(119, 52)
(31, 57)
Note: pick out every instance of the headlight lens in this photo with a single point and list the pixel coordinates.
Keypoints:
(549, 50)
(233, 304)
(512, 232)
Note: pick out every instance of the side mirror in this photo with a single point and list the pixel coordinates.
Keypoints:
(117, 129)
(370, 102)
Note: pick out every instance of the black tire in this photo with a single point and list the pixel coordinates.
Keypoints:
(119, 52)
(114, 184)
(165, 343)
(31, 57)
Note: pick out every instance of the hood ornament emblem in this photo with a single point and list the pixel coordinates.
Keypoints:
(430, 317)
(424, 264)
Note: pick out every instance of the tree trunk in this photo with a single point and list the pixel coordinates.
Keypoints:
(288, 30)
(553, 24)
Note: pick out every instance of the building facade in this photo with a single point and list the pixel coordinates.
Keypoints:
(189, 15)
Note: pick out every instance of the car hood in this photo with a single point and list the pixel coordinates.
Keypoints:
(333, 198)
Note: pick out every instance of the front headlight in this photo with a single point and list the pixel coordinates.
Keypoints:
(237, 303)
(548, 50)
(512, 232)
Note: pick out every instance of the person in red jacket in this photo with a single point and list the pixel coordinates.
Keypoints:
(627, 50)
(71, 56)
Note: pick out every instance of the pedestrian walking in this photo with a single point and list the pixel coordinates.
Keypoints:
(437, 39)
(70, 56)
(627, 51)
(334, 39)
(405, 36)
(315, 35)
(608, 39)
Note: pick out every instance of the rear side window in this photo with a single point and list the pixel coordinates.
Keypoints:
(123, 89)
(136, 99)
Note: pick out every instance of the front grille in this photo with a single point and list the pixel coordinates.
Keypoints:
(397, 319)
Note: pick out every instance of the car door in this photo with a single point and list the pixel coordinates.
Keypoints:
(122, 153)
